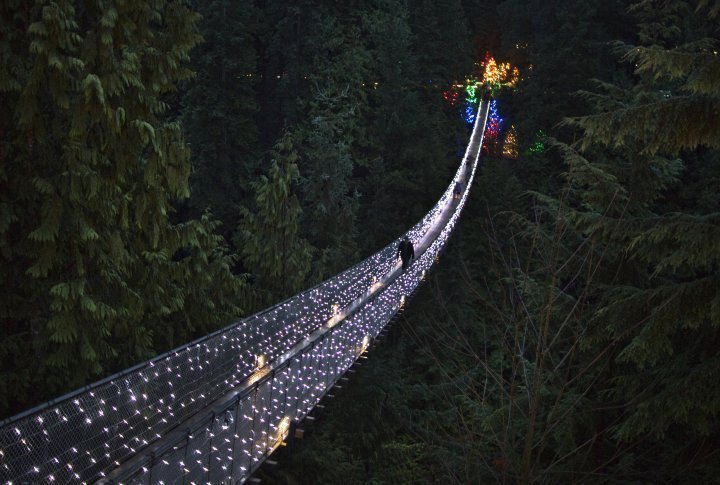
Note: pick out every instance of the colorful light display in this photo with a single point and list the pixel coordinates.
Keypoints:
(494, 77)
(492, 130)
(471, 91)
(498, 75)
(469, 114)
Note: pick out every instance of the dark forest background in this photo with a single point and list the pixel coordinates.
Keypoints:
(169, 166)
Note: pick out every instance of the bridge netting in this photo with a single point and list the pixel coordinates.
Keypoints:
(211, 411)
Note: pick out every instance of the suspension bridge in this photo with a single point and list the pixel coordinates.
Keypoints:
(213, 410)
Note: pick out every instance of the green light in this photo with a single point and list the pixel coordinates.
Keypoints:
(471, 90)
(538, 146)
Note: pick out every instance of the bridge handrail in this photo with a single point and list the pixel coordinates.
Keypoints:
(84, 432)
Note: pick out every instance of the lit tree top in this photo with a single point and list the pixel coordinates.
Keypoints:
(497, 75)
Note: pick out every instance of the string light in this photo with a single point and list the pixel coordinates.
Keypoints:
(538, 145)
(279, 364)
(494, 124)
(451, 96)
(510, 146)
(469, 114)
(494, 77)
(471, 88)
(497, 75)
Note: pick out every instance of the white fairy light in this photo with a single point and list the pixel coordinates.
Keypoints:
(316, 336)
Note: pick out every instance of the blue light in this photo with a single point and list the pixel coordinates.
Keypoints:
(469, 115)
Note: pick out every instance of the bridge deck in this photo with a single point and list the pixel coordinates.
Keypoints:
(217, 407)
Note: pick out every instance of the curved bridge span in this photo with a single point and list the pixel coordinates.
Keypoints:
(213, 410)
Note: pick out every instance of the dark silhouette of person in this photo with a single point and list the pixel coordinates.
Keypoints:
(406, 251)
(457, 190)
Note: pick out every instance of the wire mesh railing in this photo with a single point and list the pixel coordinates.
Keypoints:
(168, 415)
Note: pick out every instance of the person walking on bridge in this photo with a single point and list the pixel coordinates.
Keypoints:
(406, 251)
(457, 190)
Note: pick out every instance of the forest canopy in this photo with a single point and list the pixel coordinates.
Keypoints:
(170, 166)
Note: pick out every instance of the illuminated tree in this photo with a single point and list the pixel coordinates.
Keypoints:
(538, 146)
(492, 130)
(510, 146)
(497, 75)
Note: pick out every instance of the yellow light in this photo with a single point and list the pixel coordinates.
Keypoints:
(364, 344)
(501, 73)
(510, 147)
(258, 374)
(283, 429)
(336, 316)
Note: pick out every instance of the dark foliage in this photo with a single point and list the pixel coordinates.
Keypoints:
(570, 332)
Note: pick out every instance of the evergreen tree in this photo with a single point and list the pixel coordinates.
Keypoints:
(443, 42)
(394, 114)
(219, 108)
(328, 199)
(272, 250)
(328, 137)
(96, 277)
(662, 316)
(563, 45)
(603, 346)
